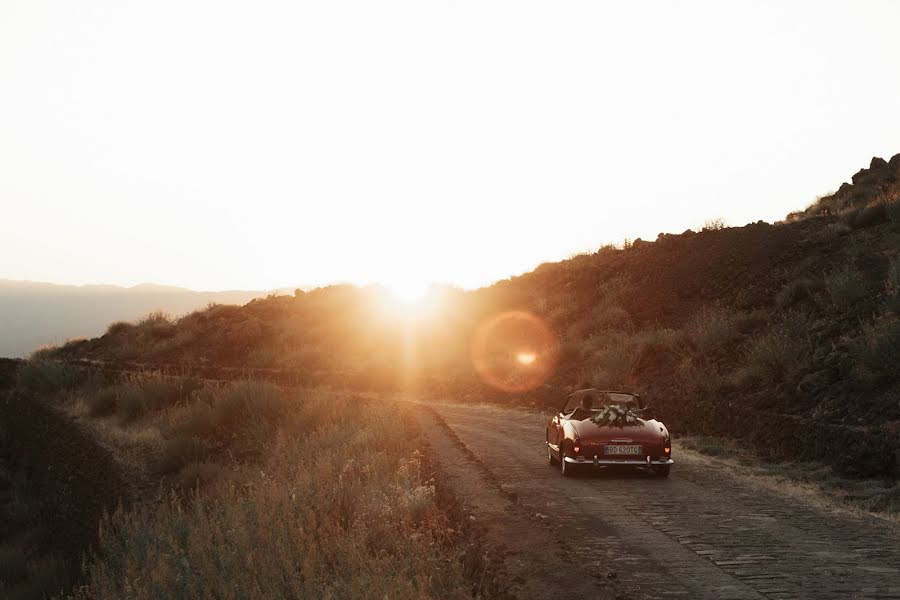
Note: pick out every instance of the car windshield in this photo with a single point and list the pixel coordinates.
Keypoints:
(599, 399)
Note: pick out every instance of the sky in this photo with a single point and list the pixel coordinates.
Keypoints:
(238, 145)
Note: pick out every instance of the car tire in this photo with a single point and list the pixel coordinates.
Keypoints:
(550, 458)
(663, 471)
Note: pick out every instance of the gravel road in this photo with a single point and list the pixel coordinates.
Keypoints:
(702, 533)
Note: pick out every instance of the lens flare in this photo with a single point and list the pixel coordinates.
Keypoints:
(515, 351)
(526, 358)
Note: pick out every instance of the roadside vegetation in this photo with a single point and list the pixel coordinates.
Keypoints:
(254, 491)
(813, 482)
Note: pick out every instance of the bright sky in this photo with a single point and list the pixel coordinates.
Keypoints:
(216, 144)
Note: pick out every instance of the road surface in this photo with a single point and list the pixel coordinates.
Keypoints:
(702, 533)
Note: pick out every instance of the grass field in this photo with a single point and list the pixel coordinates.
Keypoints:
(248, 490)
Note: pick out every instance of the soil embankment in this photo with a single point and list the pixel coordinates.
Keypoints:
(71, 479)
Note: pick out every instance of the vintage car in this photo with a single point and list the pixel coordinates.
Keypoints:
(598, 428)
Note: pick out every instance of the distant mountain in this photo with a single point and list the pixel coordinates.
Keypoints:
(34, 314)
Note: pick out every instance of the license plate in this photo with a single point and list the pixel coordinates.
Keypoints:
(629, 450)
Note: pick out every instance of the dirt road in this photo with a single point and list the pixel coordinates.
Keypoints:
(702, 533)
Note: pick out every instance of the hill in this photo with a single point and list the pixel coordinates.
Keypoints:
(786, 335)
(36, 314)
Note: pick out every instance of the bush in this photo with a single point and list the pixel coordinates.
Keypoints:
(45, 577)
(102, 403)
(248, 404)
(131, 404)
(892, 210)
(713, 328)
(119, 328)
(865, 216)
(844, 288)
(181, 450)
(199, 474)
(161, 392)
(716, 224)
(782, 350)
(892, 285)
(155, 319)
(879, 348)
(44, 376)
(609, 317)
(614, 367)
(797, 291)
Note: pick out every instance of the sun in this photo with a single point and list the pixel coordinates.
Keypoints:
(408, 293)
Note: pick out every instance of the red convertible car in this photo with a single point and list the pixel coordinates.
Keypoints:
(599, 428)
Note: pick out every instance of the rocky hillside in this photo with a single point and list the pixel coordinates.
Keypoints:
(786, 334)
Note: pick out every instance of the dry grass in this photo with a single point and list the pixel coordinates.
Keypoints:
(810, 483)
(275, 493)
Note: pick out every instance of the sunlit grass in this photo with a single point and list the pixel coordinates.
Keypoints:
(273, 493)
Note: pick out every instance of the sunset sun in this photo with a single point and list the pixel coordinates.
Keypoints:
(408, 292)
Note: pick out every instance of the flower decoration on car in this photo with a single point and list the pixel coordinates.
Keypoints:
(616, 415)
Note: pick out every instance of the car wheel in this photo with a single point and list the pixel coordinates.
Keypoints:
(550, 458)
(663, 471)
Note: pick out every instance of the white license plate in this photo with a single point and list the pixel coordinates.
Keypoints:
(629, 450)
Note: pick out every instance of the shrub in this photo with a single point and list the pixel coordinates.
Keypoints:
(181, 450)
(879, 347)
(156, 318)
(892, 210)
(161, 392)
(796, 291)
(131, 404)
(713, 328)
(844, 288)
(695, 381)
(119, 328)
(865, 216)
(199, 474)
(614, 367)
(610, 317)
(892, 285)
(247, 404)
(715, 224)
(102, 403)
(45, 577)
(44, 376)
(781, 350)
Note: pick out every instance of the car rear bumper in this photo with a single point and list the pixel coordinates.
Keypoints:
(625, 462)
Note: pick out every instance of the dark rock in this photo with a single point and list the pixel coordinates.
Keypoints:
(877, 163)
